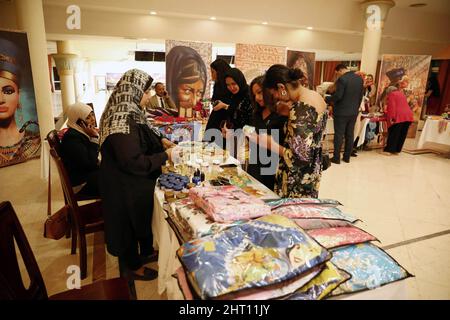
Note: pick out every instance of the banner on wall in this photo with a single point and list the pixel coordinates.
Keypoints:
(19, 130)
(394, 68)
(305, 61)
(254, 59)
(187, 73)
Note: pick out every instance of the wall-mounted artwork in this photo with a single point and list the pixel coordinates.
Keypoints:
(394, 68)
(304, 61)
(112, 79)
(19, 129)
(254, 59)
(187, 73)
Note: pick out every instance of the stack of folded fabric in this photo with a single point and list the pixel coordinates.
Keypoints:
(366, 265)
(266, 258)
(309, 209)
(192, 222)
(228, 203)
(285, 255)
(369, 266)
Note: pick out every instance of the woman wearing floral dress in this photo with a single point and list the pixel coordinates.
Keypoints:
(300, 168)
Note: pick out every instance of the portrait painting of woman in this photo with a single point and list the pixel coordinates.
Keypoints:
(19, 132)
(186, 78)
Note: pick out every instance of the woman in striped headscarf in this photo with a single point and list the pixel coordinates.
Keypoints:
(132, 155)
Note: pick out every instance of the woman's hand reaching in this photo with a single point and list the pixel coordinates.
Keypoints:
(167, 143)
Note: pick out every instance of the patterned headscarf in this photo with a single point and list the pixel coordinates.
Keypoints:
(124, 104)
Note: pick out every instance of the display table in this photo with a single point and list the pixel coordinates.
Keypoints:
(168, 241)
(180, 131)
(431, 133)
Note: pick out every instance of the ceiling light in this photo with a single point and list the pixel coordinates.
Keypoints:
(417, 5)
(309, 28)
(265, 23)
(153, 13)
(212, 18)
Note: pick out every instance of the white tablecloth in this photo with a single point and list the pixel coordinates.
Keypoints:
(360, 129)
(430, 133)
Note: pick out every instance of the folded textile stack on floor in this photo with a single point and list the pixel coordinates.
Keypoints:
(228, 203)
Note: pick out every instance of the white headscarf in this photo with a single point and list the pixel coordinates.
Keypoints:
(77, 111)
(124, 104)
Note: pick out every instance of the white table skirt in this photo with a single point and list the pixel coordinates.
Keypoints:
(359, 132)
(430, 133)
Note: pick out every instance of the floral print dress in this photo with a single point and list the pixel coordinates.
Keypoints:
(300, 167)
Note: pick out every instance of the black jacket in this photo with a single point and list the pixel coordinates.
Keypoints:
(130, 165)
(79, 155)
(272, 122)
(348, 95)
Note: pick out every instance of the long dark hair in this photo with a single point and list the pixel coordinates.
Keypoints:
(220, 88)
(183, 65)
(257, 109)
(279, 74)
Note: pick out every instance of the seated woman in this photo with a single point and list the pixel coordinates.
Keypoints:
(79, 148)
(300, 168)
(264, 120)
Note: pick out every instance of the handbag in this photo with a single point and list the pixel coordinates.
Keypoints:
(56, 225)
(326, 162)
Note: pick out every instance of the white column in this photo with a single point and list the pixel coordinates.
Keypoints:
(375, 12)
(65, 62)
(30, 18)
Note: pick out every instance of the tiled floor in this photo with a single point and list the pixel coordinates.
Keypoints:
(397, 198)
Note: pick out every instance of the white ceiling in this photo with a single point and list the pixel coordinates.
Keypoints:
(432, 6)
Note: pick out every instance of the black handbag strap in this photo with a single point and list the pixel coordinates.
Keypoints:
(49, 192)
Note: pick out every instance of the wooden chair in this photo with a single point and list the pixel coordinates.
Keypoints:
(11, 284)
(87, 218)
(54, 140)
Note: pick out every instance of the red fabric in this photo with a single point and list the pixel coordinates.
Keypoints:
(328, 70)
(444, 82)
(398, 109)
(317, 73)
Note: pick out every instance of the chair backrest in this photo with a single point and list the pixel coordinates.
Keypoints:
(54, 141)
(11, 283)
(69, 195)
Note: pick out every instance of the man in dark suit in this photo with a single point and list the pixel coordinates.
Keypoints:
(162, 101)
(346, 100)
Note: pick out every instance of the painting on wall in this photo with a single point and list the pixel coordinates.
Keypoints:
(187, 74)
(19, 132)
(254, 59)
(415, 68)
(304, 61)
(112, 79)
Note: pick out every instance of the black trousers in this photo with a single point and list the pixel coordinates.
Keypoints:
(396, 137)
(343, 127)
(131, 258)
(91, 187)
